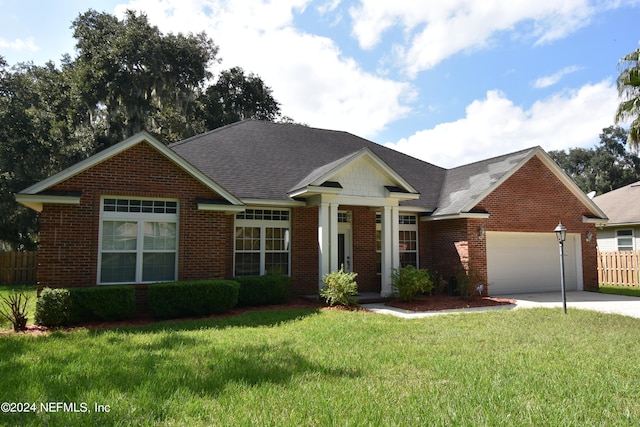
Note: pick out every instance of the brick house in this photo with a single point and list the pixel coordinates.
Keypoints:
(258, 198)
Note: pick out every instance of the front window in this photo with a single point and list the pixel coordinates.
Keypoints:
(408, 241)
(625, 240)
(262, 242)
(138, 241)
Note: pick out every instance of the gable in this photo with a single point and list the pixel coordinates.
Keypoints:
(363, 178)
(52, 189)
(534, 198)
(466, 187)
(360, 174)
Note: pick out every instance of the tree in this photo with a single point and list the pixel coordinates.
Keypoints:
(135, 78)
(236, 96)
(127, 77)
(629, 93)
(41, 132)
(604, 168)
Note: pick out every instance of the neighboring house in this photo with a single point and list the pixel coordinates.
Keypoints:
(622, 231)
(257, 198)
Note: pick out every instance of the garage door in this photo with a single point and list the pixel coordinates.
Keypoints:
(530, 262)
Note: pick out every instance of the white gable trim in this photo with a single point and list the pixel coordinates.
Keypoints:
(119, 148)
(36, 201)
(365, 152)
(557, 171)
(316, 186)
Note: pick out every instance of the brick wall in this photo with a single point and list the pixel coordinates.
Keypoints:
(69, 234)
(304, 250)
(532, 200)
(364, 247)
(535, 200)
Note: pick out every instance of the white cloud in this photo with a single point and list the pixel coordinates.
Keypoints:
(553, 79)
(495, 126)
(311, 78)
(28, 44)
(438, 30)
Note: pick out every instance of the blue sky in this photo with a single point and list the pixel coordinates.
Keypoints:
(450, 82)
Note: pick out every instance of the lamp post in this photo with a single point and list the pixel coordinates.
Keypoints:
(561, 235)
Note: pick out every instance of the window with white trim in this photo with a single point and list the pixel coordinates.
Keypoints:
(408, 241)
(262, 239)
(624, 239)
(138, 241)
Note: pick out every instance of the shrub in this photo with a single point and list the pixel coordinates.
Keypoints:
(468, 282)
(110, 303)
(340, 288)
(194, 298)
(15, 310)
(263, 290)
(409, 281)
(53, 307)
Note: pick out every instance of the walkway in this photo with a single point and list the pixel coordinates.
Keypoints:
(606, 303)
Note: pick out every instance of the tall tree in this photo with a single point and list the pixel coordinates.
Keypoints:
(41, 132)
(127, 77)
(136, 78)
(603, 168)
(236, 96)
(629, 93)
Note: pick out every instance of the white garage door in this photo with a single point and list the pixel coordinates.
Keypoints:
(530, 262)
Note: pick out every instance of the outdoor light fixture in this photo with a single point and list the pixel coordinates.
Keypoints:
(481, 232)
(561, 235)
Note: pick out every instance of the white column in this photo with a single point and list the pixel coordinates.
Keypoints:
(390, 228)
(333, 236)
(323, 242)
(387, 258)
(395, 237)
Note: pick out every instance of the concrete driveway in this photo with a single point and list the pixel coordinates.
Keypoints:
(627, 306)
(606, 303)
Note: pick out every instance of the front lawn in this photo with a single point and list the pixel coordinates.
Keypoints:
(321, 367)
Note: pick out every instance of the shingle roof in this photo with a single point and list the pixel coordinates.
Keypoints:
(622, 206)
(464, 186)
(264, 160)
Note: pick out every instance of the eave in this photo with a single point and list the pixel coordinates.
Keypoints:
(37, 201)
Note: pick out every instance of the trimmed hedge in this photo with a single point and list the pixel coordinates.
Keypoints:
(192, 298)
(67, 306)
(109, 303)
(53, 307)
(263, 290)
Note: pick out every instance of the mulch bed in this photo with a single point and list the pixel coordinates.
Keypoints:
(447, 302)
(420, 303)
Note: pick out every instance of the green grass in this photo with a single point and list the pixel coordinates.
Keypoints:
(309, 367)
(620, 290)
(7, 290)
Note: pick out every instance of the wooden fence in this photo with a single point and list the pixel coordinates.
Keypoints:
(619, 268)
(18, 268)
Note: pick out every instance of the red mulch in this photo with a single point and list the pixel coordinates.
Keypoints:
(446, 302)
(421, 303)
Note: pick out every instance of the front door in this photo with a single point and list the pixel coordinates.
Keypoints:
(345, 249)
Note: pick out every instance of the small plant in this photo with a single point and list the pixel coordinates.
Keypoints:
(340, 288)
(469, 283)
(14, 309)
(409, 281)
(53, 307)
